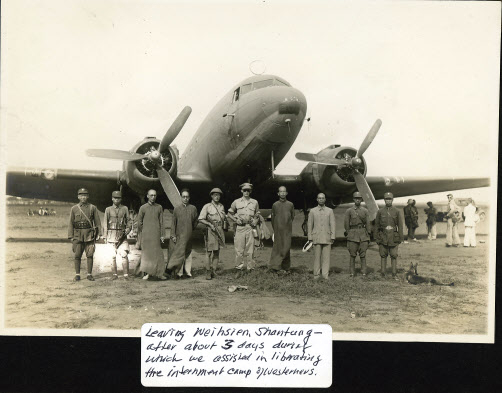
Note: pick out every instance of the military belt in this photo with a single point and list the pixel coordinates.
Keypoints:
(114, 225)
(81, 225)
(389, 227)
(357, 226)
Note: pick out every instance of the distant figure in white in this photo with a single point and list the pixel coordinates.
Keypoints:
(471, 219)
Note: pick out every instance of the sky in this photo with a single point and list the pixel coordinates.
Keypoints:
(93, 74)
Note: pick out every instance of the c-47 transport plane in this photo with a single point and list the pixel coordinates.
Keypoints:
(243, 138)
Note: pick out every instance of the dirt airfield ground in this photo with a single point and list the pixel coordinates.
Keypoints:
(40, 292)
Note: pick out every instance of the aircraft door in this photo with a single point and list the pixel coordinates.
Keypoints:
(232, 118)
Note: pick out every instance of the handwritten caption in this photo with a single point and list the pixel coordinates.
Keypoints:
(246, 355)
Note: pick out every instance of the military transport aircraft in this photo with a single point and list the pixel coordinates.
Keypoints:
(243, 138)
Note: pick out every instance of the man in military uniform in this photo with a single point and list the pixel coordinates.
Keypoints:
(213, 216)
(244, 212)
(453, 218)
(357, 227)
(388, 233)
(83, 230)
(117, 224)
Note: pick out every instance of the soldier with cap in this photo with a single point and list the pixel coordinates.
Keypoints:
(116, 226)
(410, 220)
(388, 233)
(357, 228)
(83, 230)
(213, 216)
(244, 212)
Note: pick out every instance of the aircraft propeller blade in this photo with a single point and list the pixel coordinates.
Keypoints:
(115, 154)
(169, 186)
(175, 129)
(364, 189)
(369, 138)
(314, 158)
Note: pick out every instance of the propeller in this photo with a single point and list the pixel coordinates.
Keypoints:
(175, 129)
(353, 164)
(154, 156)
(115, 154)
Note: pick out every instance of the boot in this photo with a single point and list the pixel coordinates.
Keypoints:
(90, 262)
(383, 266)
(363, 266)
(394, 267)
(209, 275)
(114, 266)
(125, 266)
(352, 266)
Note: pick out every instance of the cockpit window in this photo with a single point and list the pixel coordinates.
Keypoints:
(246, 88)
(236, 95)
(278, 82)
(262, 84)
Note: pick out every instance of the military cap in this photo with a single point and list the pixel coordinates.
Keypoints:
(216, 190)
(410, 201)
(357, 194)
(246, 186)
(388, 195)
(450, 195)
(116, 194)
(83, 191)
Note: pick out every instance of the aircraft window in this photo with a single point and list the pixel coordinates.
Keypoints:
(246, 88)
(280, 83)
(236, 95)
(261, 84)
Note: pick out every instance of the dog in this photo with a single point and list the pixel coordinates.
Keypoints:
(413, 278)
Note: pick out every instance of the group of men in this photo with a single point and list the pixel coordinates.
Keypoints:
(85, 228)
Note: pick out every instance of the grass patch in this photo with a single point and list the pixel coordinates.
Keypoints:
(14, 269)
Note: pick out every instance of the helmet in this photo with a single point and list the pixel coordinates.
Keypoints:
(216, 190)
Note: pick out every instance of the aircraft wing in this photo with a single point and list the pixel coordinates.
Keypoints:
(62, 184)
(408, 186)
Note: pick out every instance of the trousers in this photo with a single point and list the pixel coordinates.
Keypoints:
(122, 252)
(321, 260)
(452, 237)
(244, 246)
(470, 237)
(432, 232)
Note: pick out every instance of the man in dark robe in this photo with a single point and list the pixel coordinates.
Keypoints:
(283, 213)
(184, 222)
(151, 234)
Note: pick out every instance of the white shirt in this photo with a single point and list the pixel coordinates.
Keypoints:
(470, 216)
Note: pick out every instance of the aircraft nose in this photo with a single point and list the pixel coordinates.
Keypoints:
(289, 107)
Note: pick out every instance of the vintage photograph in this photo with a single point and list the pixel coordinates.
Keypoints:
(253, 162)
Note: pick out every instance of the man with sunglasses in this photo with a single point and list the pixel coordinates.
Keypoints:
(244, 212)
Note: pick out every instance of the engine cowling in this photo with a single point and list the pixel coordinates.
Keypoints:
(141, 174)
(336, 180)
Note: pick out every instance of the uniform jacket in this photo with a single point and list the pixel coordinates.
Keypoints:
(213, 212)
(79, 228)
(411, 216)
(244, 209)
(357, 216)
(471, 218)
(321, 225)
(116, 222)
(388, 226)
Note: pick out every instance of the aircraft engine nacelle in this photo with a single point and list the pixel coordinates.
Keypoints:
(334, 180)
(141, 174)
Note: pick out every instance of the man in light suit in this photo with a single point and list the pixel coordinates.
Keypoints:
(321, 231)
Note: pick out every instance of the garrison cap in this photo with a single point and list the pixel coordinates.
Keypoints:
(217, 190)
(246, 186)
(357, 194)
(388, 195)
(116, 194)
(83, 191)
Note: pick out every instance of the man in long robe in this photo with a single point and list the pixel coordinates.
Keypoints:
(283, 213)
(184, 222)
(151, 234)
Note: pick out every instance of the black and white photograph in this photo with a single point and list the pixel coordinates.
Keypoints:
(250, 162)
